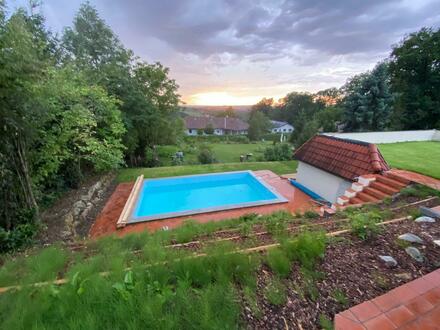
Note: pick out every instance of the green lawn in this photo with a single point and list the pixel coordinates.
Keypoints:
(230, 152)
(421, 157)
(130, 174)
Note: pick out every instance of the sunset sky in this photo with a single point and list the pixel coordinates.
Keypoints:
(226, 52)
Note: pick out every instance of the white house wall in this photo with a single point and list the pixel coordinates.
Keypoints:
(391, 137)
(327, 185)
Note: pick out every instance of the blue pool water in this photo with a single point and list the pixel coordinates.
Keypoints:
(185, 195)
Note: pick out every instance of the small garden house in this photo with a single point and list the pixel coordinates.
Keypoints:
(328, 166)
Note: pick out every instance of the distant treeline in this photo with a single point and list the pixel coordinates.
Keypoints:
(400, 93)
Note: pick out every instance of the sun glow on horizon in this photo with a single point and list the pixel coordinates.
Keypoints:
(222, 98)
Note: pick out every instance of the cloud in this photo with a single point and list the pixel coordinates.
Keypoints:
(268, 46)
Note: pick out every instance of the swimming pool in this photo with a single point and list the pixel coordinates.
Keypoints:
(193, 194)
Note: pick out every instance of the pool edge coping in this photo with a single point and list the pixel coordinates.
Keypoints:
(133, 201)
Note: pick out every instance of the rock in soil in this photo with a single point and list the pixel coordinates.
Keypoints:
(414, 253)
(425, 219)
(411, 238)
(389, 261)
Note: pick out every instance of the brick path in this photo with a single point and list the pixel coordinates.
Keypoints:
(415, 305)
(105, 223)
(417, 177)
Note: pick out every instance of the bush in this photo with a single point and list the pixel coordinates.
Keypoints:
(278, 152)
(206, 156)
(22, 235)
(276, 292)
(278, 262)
(364, 225)
(217, 139)
(306, 248)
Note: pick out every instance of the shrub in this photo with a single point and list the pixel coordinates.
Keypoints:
(419, 191)
(275, 292)
(22, 235)
(309, 214)
(325, 323)
(206, 156)
(278, 262)
(340, 297)
(278, 152)
(307, 248)
(364, 225)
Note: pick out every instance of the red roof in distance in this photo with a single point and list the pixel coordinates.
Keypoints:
(346, 158)
(226, 123)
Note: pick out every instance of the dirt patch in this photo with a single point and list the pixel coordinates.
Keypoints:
(351, 267)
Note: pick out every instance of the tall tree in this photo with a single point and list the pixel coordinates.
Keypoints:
(258, 125)
(415, 75)
(368, 100)
(265, 106)
(149, 97)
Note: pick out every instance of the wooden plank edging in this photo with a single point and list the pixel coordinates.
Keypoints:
(128, 207)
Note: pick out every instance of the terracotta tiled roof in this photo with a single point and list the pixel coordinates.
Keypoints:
(342, 157)
(226, 123)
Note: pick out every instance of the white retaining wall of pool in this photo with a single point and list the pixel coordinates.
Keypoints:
(326, 185)
(390, 137)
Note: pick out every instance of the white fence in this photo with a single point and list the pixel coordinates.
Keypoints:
(391, 137)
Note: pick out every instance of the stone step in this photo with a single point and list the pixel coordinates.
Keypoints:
(350, 193)
(384, 188)
(375, 193)
(356, 186)
(390, 182)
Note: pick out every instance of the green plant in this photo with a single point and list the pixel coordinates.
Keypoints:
(364, 225)
(245, 229)
(278, 262)
(381, 280)
(275, 292)
(307, 248)
(325, 322)
(251, 299)
(340, 297)
(415, 212)
(279, 151)
(309, 214)
(206, 156)
(387, 200)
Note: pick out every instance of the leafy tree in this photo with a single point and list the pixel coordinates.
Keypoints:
(415, 76)
(265, 106)
(329, 118)
(258, 125)
(368, 101)
(149, 97)
(209, 129)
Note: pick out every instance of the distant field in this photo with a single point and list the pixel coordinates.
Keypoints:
(130, 174)
(421, 157)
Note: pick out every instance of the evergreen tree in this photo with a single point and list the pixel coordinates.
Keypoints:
(368, 101)
(415, 75)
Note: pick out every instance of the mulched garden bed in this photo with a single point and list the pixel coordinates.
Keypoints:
(353, 267)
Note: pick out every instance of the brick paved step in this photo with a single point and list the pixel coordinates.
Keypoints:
(384, 188)
(390, 182)
(375, 193)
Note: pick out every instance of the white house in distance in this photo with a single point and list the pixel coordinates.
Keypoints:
(281, 127)
(332, 167)
(221, 125)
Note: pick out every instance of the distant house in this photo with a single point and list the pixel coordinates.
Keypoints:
(328, 166)
(281, 127)
(221, 125)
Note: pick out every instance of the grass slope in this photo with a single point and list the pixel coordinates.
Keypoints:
(130, 174)
(421, 157)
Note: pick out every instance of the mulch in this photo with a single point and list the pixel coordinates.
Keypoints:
(352, 266)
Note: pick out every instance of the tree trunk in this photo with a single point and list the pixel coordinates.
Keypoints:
(22, 169)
